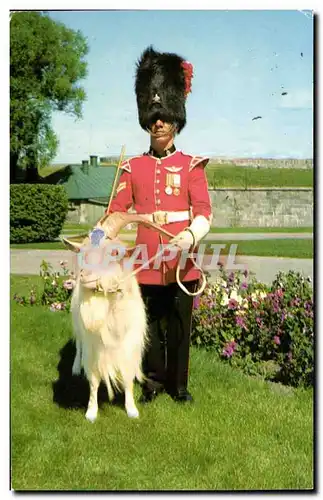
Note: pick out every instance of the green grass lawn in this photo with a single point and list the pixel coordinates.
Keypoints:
(299, 249)
(47, 245)
(75, 228)
(220, 176)
(240, 434)
(72, 226)
(261, 229)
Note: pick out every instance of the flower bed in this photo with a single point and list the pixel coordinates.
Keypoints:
(57, 289)
(264, 330)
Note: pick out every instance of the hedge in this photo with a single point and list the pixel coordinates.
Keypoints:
(37, 212)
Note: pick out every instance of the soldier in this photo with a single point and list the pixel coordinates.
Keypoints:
(170, 188)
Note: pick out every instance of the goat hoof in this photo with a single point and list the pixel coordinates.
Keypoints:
(91, 415)
(133, 413)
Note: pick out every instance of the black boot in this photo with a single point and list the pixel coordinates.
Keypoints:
(182, 396)
(150, 392)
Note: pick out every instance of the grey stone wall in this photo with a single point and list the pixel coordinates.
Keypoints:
(262, 207)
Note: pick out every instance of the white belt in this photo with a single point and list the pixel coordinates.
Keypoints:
(161, 217)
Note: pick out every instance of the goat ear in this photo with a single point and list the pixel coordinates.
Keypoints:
(73, 243)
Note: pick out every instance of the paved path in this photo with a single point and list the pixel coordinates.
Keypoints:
(265, 268)
(235, 236)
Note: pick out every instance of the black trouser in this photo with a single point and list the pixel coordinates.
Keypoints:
(166, 359)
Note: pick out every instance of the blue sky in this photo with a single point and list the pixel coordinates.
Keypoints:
(243, 61)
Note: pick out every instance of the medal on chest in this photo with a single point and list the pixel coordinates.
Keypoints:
(173, 184)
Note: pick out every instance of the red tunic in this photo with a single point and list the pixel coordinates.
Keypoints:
(142, 186)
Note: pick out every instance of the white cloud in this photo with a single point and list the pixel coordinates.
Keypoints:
(297, 99)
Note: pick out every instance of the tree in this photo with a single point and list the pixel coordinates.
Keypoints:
(46, 66)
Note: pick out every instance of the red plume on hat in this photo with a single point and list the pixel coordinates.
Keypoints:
(188, 75)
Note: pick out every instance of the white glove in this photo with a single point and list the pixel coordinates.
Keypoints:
(184, 240)
(197, 230)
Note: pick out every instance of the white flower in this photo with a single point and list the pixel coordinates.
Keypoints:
(225, 300)
(262, 295)
(54, 283)
(245, 303)
(221, 282)
(236, 297)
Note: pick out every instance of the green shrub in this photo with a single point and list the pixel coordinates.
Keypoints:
(37, 212)
(263, 330)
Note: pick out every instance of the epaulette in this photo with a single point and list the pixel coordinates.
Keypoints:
(196, 160)
(125, 165)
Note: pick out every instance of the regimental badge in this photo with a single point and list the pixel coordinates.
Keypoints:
(173, 183)
(173, 170)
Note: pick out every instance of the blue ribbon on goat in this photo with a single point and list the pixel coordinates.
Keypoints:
(96, 236)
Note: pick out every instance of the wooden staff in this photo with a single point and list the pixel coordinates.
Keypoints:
(116, 176)
(114, 184)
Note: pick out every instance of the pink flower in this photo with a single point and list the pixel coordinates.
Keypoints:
(69, 284)
(277, 340)
(240, 322)
(196, 302)
(229, 349)
(232, 304)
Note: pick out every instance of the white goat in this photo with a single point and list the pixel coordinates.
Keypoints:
(110, 330)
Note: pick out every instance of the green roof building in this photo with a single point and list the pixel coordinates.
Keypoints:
(88, 187)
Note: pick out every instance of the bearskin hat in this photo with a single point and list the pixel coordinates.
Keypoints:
(163, 81)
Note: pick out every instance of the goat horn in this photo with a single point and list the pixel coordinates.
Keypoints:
(113, 223)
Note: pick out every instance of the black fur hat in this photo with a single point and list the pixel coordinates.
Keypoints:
(163, 81)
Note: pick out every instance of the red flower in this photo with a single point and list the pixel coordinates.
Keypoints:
(188, 75)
